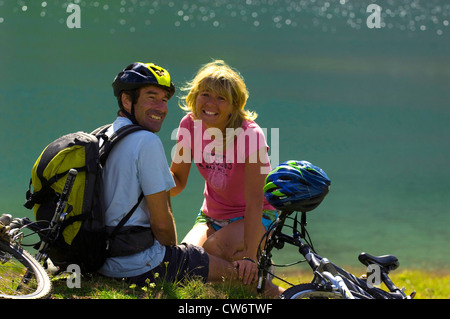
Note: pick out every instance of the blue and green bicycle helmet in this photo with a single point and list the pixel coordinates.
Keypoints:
(296, 186)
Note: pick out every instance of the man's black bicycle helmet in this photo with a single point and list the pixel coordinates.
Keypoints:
(138, 75)
(296, 186)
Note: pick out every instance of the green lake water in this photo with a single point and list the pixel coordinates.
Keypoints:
(370, 106)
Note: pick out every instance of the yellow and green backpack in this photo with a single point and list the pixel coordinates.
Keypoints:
(84, 238)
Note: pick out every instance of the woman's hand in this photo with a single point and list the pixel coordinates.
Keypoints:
(247, 270)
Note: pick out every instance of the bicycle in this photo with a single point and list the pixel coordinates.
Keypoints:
(329, 280)
(23, 276)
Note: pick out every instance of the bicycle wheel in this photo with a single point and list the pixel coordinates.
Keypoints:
(21, 276)
(309, 291)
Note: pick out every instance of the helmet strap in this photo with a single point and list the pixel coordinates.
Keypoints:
(131, 116)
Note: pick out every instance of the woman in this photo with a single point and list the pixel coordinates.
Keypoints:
(231, 154)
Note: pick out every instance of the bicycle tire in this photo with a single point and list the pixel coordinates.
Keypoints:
(15, 262)
(310, 291)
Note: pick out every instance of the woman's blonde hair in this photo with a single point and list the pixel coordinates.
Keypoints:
(220, 78)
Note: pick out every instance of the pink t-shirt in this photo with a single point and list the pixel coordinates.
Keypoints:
(223, 170)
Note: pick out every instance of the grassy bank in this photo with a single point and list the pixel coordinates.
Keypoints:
(97, 287)
(427, 284)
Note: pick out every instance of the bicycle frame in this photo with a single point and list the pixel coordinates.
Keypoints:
(26, 277)
(50, 233)
(58, 217)
(326, 274)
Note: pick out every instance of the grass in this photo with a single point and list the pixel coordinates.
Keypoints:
(427, 284)
(98, 287)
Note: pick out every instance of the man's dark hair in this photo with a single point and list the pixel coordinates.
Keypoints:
(133, 94)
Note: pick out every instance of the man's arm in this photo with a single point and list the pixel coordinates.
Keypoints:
(161, 218)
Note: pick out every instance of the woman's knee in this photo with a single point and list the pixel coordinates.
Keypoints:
(225, 243)
(197, 235)
(214, 246)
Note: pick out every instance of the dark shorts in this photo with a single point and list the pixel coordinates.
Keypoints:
(180, 262)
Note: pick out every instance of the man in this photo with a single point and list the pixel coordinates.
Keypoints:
(136, 165)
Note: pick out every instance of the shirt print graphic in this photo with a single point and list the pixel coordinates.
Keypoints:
(218, 169)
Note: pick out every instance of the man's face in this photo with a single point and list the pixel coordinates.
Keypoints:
(150, 108)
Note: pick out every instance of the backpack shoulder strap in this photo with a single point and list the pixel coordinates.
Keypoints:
(101, 130)
(106, 148)
(127, 217)
(110, 141)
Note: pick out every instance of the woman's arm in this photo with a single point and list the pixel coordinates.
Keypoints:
(254, 203)
(180, 170)
(254, 199)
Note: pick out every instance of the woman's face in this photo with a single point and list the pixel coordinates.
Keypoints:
(213, 109)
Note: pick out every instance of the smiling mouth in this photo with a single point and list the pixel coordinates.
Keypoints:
(155, 116)
(209, 113)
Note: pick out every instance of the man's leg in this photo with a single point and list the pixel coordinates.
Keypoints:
(220, 269)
